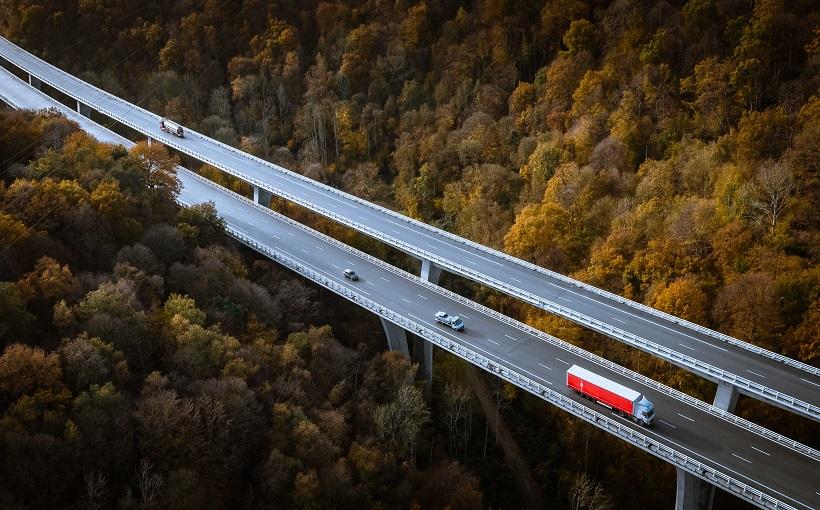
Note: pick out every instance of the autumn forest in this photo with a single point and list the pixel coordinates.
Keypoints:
(667, 151)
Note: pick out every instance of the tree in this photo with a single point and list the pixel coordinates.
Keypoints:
(88, 361)
(102, 431)
(114, 314)
(201, 224)
(683, 298)
(747, 309)
(772, 192)
(399, 422)
(159, 168)
(25, 370)
(580, 36)
(48, 283)
(763, 135)
(459, 414)
(807, 334)
(714, 101)
(587, 494)
(184, 307)
(449, 485)
(149, 484)
(15, 320)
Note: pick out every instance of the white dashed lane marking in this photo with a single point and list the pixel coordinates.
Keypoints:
(761, 451)
(686, 417)
(741, 458)
(814, 383)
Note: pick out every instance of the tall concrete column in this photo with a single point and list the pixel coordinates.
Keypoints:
(396, 337)
(422, 349)
(726, 397)
(34, 82)
(692, 493)
(429, 271)
(261, 196)
(83, 109)
(423, 355)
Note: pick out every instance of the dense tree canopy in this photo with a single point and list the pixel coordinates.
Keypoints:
(663, 150)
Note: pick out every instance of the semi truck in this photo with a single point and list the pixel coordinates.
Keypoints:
(623, 400)
(171, 127)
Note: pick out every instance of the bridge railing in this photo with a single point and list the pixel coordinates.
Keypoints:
(592, 289)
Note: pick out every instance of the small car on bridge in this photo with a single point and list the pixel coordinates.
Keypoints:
(453, 321)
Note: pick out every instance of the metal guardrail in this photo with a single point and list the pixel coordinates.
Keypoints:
(658, 449)
(708, 370)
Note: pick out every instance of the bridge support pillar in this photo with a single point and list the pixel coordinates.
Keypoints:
(726, 397)
(34, 82)
(83, 110)
(429, 271)
(422, 349)
(423, 355)
(396, 337)
(692, 493)
(261, 196)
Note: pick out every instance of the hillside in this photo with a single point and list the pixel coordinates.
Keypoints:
(665, 151)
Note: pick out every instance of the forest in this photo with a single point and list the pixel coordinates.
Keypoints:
(667, 151)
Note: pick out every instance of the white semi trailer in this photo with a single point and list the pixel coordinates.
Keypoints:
(171, 127)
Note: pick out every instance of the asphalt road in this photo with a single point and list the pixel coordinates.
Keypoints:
(484, 264)
(764, 464)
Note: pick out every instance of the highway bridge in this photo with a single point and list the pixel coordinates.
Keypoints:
(702, 441)
(735, 365)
